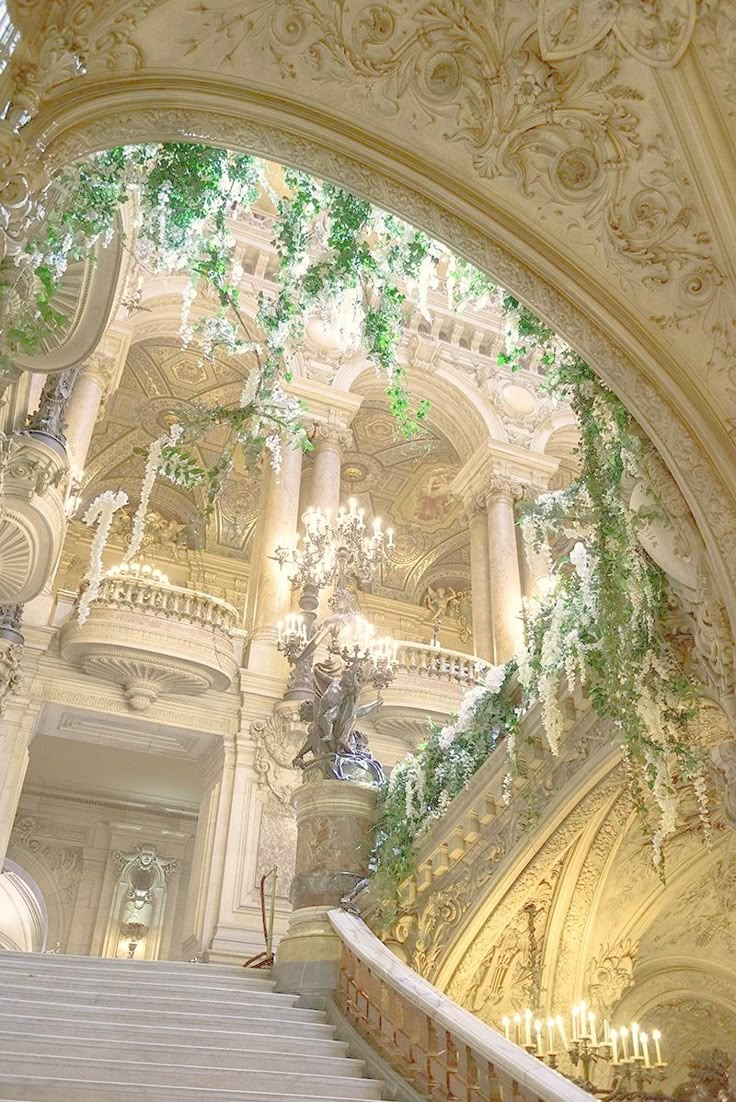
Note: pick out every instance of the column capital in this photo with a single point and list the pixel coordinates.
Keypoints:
(330, 436)
(498, 468)
(325, 405)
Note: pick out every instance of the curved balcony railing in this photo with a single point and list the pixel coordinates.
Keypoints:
(145, 591)
(154, 639)
(425, 660)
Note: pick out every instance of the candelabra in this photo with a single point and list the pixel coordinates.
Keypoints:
(328, 554)
(625, 1051)
(333, 554)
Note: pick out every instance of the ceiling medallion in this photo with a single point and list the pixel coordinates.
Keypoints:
(353, 473)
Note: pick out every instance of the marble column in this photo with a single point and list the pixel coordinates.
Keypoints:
(505, 575)
(17, 728)
(480, 578)
(269, 590)
(329, 442)
(335, 821)
(82, 413)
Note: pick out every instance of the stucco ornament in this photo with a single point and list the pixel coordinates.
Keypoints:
(654, 32)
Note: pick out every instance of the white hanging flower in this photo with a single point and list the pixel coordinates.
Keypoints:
(152, 464)
(101, 512)
(447, 736)
(494, 679)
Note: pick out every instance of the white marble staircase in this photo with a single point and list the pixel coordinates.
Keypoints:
(83, 1029)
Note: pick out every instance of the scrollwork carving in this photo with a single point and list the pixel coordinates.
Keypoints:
(277, 739)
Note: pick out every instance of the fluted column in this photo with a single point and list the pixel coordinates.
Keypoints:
(329, 442)
(480, 578)
(505, 577)
(269, 589)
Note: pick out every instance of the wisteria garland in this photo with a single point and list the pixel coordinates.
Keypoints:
(100, 512)
(153, 464)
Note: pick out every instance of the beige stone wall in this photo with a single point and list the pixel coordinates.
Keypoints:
(68, 843)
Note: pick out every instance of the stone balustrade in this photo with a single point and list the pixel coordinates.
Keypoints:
(154, 639)
(439, 1048)
(488, 825)
(424, 660)
(145, 592)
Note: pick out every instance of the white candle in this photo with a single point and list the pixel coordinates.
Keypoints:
(280, 627)
(624, 1033)
(390, 534)
(574, 1023)
(582, 1010)
(635, 1038)
(527, 1027)
(506, 1023)
(614, 1046)
(656, 1037)
(539, 1038)
(591, 1025)
(645, 1049)
(551, 1034)
(563, 1035)
(517, 1028)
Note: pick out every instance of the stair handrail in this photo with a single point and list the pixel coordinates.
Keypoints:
(443, 1050)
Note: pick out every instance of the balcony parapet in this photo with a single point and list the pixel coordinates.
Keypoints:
(154, 639)
(33, 475)
(430, 682)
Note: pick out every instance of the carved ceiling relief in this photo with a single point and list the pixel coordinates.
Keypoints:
(549, 104)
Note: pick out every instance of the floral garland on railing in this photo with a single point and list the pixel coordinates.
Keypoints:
(599, 626)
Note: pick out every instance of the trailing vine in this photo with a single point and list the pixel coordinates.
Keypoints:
(599, 625)
(359, 269)
(339, 258)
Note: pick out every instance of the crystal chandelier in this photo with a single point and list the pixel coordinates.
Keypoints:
(330, 553)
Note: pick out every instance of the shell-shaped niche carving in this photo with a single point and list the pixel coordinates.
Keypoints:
(16, 559)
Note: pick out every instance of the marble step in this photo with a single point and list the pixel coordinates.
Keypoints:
(73, 973)
(21, 1088)
(290, 1020)
(187, 1000)
(64, 960)
(69, 1048)
(145, 988)
(282, 1038)
(133, 1073)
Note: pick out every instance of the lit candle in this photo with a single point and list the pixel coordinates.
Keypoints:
(624, 1034)
(606, 1031)
(591, 1024)
(574, 1023)
(377, 526)
(645, 1049)
(635, 1038)
(390, 535)
(280, 628)
(582, 1021)
(656, 1037)
(563, 1035)
(614, 1046)
(506, 1023)
(517, 1028)
(539, 1038)
(551, 1035)
(527, 1027)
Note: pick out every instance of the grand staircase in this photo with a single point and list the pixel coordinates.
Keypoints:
(74, 1029)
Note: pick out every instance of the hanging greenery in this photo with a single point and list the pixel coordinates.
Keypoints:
(600, 625)
(339, 259)
(358, 269)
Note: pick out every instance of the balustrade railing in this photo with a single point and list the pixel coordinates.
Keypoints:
(437, 662)
(442, 1050)
(144, 593)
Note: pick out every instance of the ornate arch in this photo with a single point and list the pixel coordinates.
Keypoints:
(163, 107)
